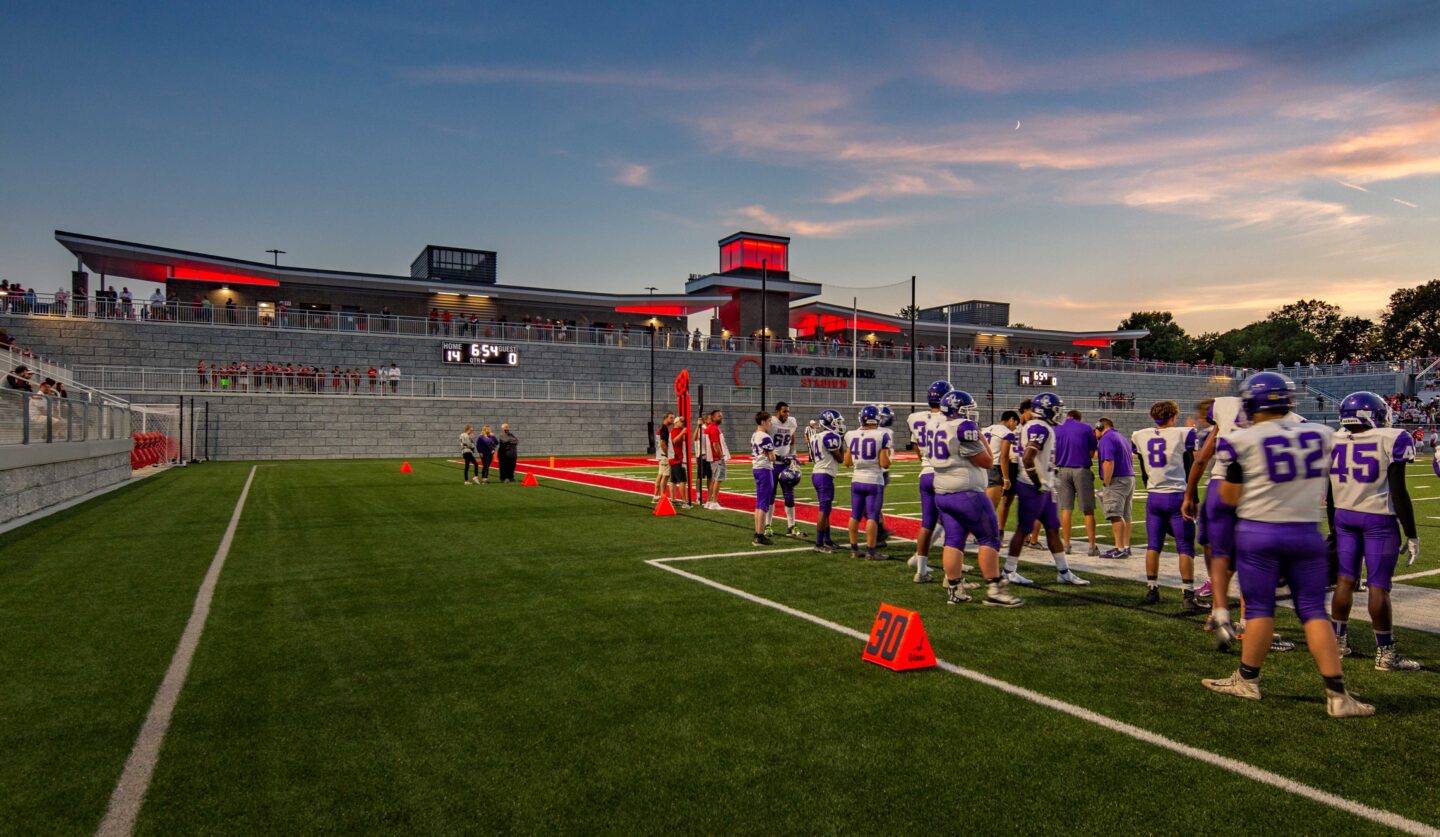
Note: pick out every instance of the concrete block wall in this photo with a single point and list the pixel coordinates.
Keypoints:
(32, 487)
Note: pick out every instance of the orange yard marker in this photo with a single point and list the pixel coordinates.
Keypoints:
(529, 479)
(405, 468)
(664, 508)
(898, 641)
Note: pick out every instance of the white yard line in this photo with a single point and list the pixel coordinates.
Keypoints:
(1421, 574)
(1239, 768)
(129, 792)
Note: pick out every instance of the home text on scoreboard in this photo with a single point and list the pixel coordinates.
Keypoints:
(477, 353)
(1038, 378)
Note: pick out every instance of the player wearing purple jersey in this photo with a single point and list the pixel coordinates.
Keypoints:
(1368, 497)
(826, 452)
(1277, 475)
(1165, 452)
(1037, 491)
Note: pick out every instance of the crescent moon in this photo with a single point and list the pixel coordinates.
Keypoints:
(1017, 124)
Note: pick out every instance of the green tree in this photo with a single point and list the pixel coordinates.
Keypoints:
(907, 311)
(1268, 342)
(1409, 325)
(1353, 337)
(1167, 340)
(1205, 346)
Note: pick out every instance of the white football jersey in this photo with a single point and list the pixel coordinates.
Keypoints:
(826, 451)
(952, 443)
(1229, 416)
(782, 435)
(1360, 467)
(1036, 432)
(919, 423)
(1162, 449)
(761, 446)
(865, 445)
(994, 435)
(1286, 470)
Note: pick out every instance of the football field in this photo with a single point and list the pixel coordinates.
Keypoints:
(398, 652)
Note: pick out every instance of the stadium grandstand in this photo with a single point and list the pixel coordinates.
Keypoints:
(449, 341)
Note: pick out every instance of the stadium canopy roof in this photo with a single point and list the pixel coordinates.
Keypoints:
(728, 283)
(151, 263)
(833, 317)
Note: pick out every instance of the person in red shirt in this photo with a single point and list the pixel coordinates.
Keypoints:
(716, 455)
(679, 476)
(372, 373)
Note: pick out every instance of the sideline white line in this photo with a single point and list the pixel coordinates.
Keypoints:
(1420, 574)
(134, 781)
(1240, 768)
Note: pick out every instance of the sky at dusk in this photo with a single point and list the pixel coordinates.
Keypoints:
(1078, 160)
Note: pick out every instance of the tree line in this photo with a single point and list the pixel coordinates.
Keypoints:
(1308, 331)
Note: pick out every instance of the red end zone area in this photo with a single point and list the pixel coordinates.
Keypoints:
(904, 527)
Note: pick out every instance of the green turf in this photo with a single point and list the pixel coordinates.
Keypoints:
(402, 653)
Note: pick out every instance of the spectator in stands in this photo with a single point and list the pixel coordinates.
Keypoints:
(393, 374)
(445, 320)
(485, 445)
(509, 452)
(61, 297)
(19, 379)
(127, 303)
(373, 375)
(157, 305)
(207, 310)
(230, 310)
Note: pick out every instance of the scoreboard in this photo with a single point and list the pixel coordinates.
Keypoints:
(1038, 378)
(479, 353)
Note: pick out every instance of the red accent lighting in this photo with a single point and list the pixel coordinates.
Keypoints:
(1097, 342)
(195, 274)
(831, 322)
(749, 253)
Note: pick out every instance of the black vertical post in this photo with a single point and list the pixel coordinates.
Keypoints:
(180, 453)
(650, 425)
(990, 353)
(764, 324)
(192, 430)
(914, 346)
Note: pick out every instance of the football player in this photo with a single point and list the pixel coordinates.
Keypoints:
(867, 452)
(1367, 484)
(762, 464)
(1165, 452)
(1277, 473)
(1037, 491)
(826, 452)
(919, 423)
(1001, 487)
(957, 452)
(783, 431)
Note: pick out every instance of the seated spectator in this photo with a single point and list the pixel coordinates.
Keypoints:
(19, 379)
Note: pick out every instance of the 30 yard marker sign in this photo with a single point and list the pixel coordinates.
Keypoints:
(898, 641)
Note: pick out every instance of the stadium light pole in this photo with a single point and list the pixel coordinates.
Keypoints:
(914, 346)
(764, 322)
(277, 254)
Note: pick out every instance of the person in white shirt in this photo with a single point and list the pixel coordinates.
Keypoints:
(662, 456)
(826, 454)
(1166, 452)
(1000, 488)
(783, 430)
(867, 452)
(920, 423)
(1037, 491)
(393, 373)
(467, 450)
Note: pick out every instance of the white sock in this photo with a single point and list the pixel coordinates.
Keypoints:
(1061, 565)
(790, 516)
(1221, 614)
(769, 517)
(1012, 563)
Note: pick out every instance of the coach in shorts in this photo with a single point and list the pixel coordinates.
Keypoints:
(1074, 449)
(1117, 472)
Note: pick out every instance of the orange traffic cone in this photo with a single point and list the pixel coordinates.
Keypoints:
(405, 468)
(664, 509)
(529, 479)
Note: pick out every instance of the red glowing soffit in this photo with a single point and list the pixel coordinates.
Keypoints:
(195, 274)
(831, 322)
(1097, 342)
(653, 310)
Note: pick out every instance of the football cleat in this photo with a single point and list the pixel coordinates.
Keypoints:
(1014, 577)
(824, 549)
(1280, 643)
(1345, 705)
(1069, 577)
(1205, 590)
(1152, 596)
(762, 540)
(1224, 635)
(1113, 554)
(955, 594)
(1094, 551)
(1343, 642)
(1191, 603)
(923, 576)
(1388, 659)
(1235, 685)
(995, 596)
(794, 532)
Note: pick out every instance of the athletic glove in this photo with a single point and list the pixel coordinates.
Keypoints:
(1413, 547)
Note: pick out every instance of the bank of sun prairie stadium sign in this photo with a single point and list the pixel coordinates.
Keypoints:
(487, 353)
(813, 377)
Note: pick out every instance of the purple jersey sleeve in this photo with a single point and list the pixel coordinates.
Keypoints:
(886, 442)
(1404, 448)
(1036, 434)
(767, 444)
(831, 442)
(1190, 440)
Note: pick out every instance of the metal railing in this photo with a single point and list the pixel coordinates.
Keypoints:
(27, 418)
(133, 379)
(42, 369)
